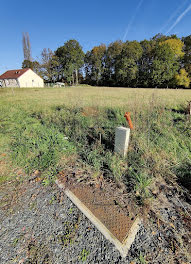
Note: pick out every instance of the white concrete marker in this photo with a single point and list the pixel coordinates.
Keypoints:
(122, 135)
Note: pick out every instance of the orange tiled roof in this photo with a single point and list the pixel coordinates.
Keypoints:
(13, 74)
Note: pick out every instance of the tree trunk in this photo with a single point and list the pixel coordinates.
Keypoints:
(72, 79)
(76, 77)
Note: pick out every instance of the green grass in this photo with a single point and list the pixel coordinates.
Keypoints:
(84, 254)
(35, 122)
(142, 259)
(31, 145)
(92, 96)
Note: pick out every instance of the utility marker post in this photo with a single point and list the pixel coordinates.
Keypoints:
(122, 135)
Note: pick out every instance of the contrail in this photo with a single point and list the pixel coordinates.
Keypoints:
(179, 18)
(172, 16)
(132, 19)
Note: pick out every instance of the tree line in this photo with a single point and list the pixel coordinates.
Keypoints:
(162, 61)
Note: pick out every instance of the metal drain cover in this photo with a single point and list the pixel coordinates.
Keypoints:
(101, 209)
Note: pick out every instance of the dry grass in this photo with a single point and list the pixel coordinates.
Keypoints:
(92, 96)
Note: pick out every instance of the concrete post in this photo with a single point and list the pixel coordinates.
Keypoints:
(122, 135)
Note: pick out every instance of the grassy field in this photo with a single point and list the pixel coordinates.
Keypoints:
(93, 96)
(41, 128)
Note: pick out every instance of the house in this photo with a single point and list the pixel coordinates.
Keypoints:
(21, 78)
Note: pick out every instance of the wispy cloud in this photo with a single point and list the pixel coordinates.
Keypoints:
(179, 18)
(174, 14)
(132, 19)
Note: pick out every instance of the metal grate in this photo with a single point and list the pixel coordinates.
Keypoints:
(104, 207)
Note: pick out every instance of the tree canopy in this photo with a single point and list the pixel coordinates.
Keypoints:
(71, 59)
(162, 61)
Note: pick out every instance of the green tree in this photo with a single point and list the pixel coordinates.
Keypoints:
(176, 46)
(187, 54)
(112, 53)
(71, 59)
(161, 38)
(145, 62)
(182, 78)
(49, 65)
(95, 64)
(27, 64)
(33, 65)
(127, 63)
(165, 65)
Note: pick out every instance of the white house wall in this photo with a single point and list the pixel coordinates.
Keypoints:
(30, 79)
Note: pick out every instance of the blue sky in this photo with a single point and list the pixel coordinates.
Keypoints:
(51, 23)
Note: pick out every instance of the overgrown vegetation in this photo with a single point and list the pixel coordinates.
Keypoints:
(38, 137)
(33, 146)
(160, 144)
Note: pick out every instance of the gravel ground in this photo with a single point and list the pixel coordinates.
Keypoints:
(40, 224)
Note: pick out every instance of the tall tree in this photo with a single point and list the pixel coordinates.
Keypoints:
(187, 55)
(127, 63)
(26, 47)
(71, 59)
(28, 61)
(164, 66)
(49, 68)
(176, 46)
(145, 62)
(95, 64)
(112, 53)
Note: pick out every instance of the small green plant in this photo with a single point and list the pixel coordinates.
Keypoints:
(83, 255)
(46, 182)
(53, 198)
(94, 159)
(15, 241)
(66, 240)
(142, 259)
(117, 165)
(70, 211)
(32, 205)
(142, 182)
(69, 233)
